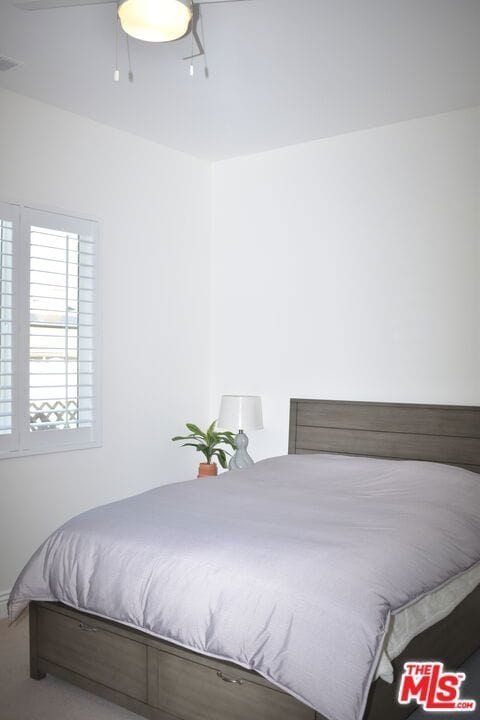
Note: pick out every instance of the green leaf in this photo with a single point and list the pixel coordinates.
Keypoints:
(228, 439)
(211, 428)
(212, 436)
(195, 429)
(222, 458)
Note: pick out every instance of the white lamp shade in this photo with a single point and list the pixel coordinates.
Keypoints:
(241, 412)
(155, 20)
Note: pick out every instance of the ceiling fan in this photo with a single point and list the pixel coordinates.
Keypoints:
(149, 20)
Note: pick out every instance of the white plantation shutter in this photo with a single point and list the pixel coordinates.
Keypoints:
(56, 340)
(9, 228)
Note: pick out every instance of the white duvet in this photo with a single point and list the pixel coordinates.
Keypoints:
(292, 568)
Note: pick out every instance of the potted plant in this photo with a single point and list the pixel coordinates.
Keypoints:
(208, 443)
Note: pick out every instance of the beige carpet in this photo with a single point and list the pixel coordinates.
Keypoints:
(48, 699)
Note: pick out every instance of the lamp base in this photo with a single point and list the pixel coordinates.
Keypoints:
(241, 459)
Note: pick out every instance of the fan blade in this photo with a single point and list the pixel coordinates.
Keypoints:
(50, 4)
(211, 2)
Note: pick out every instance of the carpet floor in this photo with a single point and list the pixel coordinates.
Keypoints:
(51, 699)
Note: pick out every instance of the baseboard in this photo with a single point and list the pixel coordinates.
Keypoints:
(3, 604)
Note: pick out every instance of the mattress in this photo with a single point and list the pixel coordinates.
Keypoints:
(419, 616)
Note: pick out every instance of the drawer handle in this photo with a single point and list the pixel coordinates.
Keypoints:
(228, 680)
(87, 628)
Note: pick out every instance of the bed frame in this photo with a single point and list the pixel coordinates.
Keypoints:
(164, 682)
(438, 433)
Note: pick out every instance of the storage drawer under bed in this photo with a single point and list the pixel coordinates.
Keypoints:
(89, 648)
(207, 689)
(150, 676)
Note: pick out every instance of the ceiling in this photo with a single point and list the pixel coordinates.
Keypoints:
(280, 71)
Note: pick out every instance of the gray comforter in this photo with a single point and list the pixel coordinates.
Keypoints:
(291, 568)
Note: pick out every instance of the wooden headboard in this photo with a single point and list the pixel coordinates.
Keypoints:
(437, 433)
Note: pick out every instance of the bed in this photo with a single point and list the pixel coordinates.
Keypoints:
(164, 680)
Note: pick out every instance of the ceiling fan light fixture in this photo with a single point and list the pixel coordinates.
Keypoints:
(155, 20)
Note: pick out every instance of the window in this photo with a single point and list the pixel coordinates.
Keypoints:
(48, 332)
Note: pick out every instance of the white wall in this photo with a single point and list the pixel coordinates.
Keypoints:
(155, 205)
(348, 268)
(344, 268)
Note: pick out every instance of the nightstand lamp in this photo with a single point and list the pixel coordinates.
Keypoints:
(241, 412)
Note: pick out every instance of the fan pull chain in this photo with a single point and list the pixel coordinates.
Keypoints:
(116, 74)
(192, 69)
(130, 71)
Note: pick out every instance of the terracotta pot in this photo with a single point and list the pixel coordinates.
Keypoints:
(207, 470)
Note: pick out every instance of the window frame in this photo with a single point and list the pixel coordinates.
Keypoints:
(23, 441)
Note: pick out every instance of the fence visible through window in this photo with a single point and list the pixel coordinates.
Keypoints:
(61, 330)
